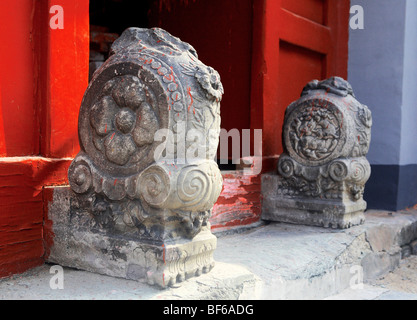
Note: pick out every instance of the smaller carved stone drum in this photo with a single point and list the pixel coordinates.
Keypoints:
(323, 170)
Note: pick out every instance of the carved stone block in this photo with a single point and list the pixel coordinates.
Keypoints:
(323, 170)
(146, 177)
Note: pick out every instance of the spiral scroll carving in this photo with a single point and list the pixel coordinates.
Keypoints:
(360, 171)
(338, 170)
(194, 186)
(80, 177)
(286, 167)
(154, 186)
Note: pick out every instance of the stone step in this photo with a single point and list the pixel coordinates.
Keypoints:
(301, 262)
(271, 261)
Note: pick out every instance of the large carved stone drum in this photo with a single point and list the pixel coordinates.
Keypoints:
(323, 170)
(145, 181)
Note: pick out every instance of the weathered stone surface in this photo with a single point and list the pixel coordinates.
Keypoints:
(145, 178)
(408, 233)
(413, 246)
(382, 237)
(323, 170)
(376, 264)
(88, 248)
(405, 251)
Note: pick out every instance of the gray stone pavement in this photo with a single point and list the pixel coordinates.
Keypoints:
(372, 293)
(271, 261)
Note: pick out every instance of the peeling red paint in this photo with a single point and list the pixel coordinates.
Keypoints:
(239, 202)
(191, 97)
(163, 254)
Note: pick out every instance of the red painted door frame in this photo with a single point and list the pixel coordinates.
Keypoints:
(44, 73)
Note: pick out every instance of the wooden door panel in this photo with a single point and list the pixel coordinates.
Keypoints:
(313, 10)
(297, 66)
(304, 32)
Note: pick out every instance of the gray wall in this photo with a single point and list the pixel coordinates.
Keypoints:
(375, 71)
(408, 153)
(383, 73)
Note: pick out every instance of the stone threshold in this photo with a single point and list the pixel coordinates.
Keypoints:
(270, 261)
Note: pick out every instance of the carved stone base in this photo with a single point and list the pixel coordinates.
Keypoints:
(162, 263)
(330, 213)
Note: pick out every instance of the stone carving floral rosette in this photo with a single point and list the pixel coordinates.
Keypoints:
(152, 83)
(323, 170)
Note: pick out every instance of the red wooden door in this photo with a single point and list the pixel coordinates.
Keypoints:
(294, 42)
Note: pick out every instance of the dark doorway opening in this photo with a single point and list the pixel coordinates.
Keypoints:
(108, 19)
